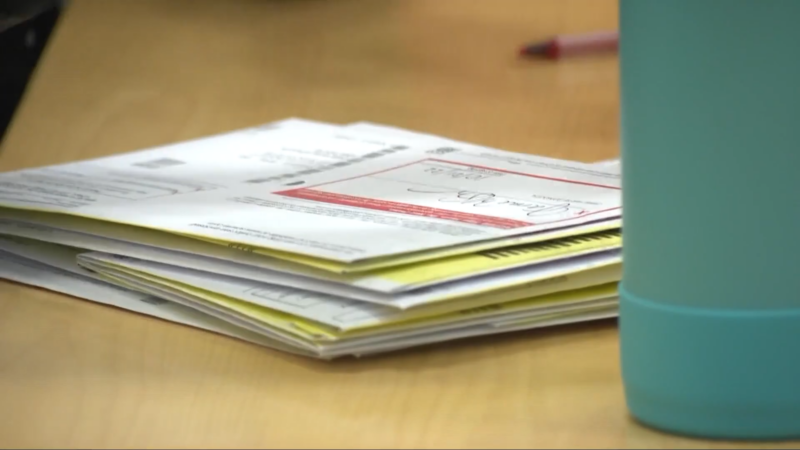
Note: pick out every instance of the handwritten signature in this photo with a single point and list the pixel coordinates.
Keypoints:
(488, 200)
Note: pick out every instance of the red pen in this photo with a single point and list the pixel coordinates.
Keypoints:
(575, 44)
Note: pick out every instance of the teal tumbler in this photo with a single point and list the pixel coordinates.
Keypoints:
(710, 293)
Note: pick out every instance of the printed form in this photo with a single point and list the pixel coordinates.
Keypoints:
(397, 235)
(381, 200)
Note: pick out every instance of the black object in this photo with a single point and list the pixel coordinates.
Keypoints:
(13, 12)
(25, 26)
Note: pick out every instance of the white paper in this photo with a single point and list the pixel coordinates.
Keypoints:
(426, 138)
(338, 312)
(391, 338)
(271, 154)
(380, 198)
(609, 163)
(34, 273)
(568, 274)
(261, 270)
(61, 257)
(475, 331)
(281, 340)
(350, 194)
(86, 233)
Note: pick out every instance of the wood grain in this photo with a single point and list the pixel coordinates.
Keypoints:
(124, 75)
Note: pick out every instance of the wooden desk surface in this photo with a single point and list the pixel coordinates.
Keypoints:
(124, 75)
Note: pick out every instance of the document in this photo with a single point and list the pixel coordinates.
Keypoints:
(548, 320)
(404, 286)
(404, 198)
(317, 334)
(396, 132)
(600, 267)
(324, 240)
(34, 273)
(341, 313)
(48, 226)
(369, 345)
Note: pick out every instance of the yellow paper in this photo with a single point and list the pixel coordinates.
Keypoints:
(417, 257)
(135, 241)
(316, 332)
(344, 313)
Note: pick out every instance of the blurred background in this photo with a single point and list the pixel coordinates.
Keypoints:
(25, 27)
(181, 69)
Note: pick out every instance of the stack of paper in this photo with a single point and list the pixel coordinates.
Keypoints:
(323, 240)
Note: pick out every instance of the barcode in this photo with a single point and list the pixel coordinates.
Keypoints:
(154, 300)
(442, 150)
(159, 163)
(612, 237)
